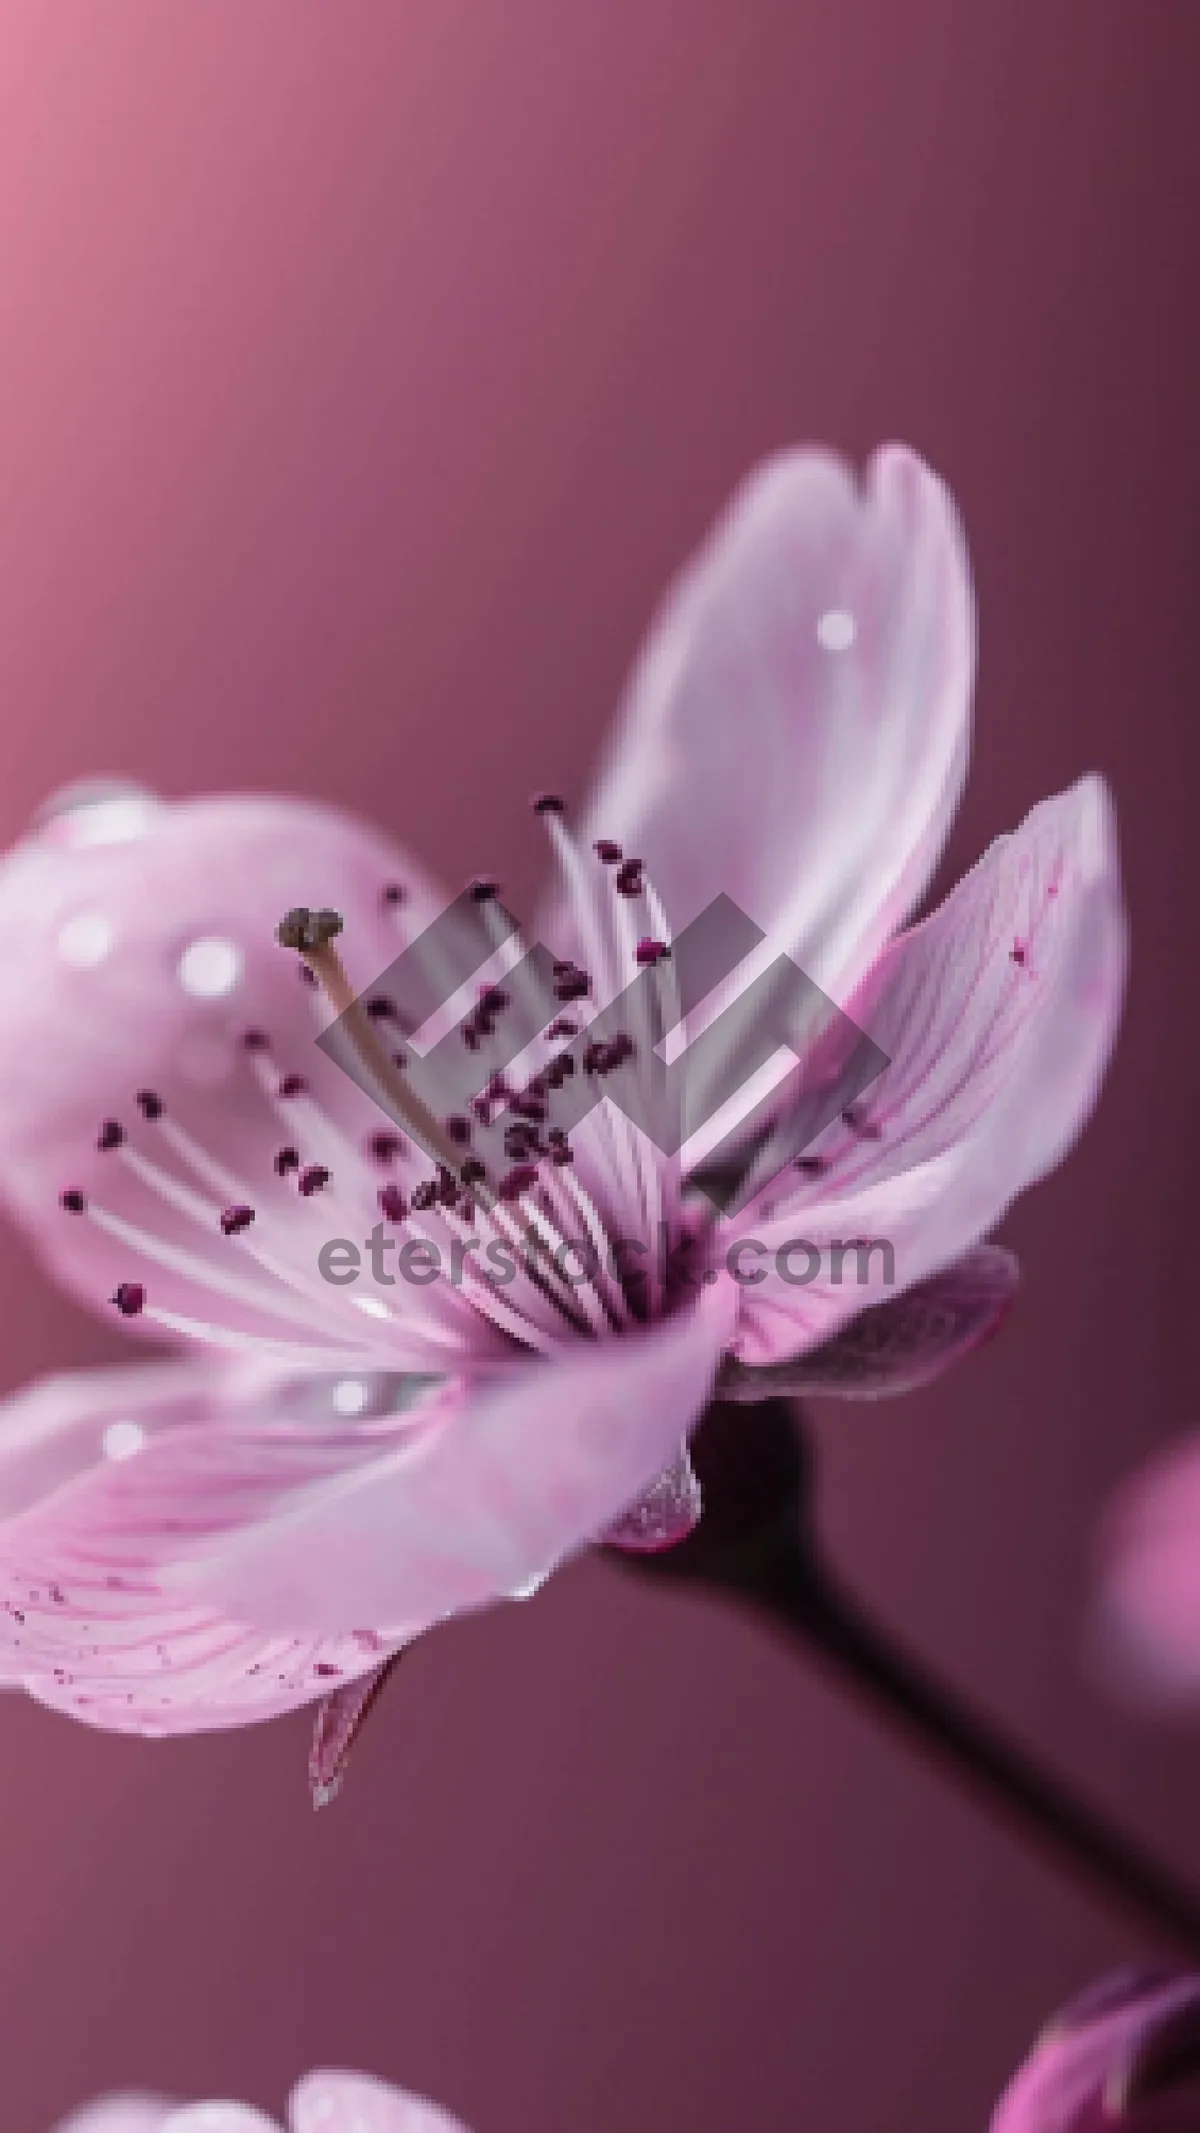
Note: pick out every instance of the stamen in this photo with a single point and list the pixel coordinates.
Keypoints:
(129, 1298)
(236, 1218)
(150, 1105)
(608, 853)
(287, 1159)
(111, 1135)
(314, 1179)
(72, 1200)
(651, 952)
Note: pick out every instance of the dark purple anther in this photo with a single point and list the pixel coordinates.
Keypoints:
(629, 877)
(380, 1008)
(392, 1205)
(458, 1130)
(234, 1219)
(287, 1159)
(518, 1181)
(519, 1142)
(292, 1085)
(608, 853)
(562, 1026)
(393, 893)
(255, 1040)
(547, 803)
(492, 999)
(560, 1153)
(529, 1107)
(129, 1298)
(150, 1105)
(483, 890)
(649, 951)
(473, 1172)
(384, 1147)
(111, 1135)
(313, 1179)
(1018, 954)
(497, 1090)
(810, 1166)
(72, 1199)
(424, 1195)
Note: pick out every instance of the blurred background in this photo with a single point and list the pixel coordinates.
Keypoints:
(365, 370)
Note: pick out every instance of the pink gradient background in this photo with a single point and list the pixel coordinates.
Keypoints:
(365, 367)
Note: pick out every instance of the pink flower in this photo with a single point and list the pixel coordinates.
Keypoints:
(345, 1458)
(1149, 1612)
(322, 2103)
(1126, 2053)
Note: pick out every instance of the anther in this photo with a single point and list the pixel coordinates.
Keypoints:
(1018, 954)
(286, 1160)
(129, 1298)
(384, 1147)
(236, 1218)
(483, 890)
(380, 1008)
(608, 853)
(150, 1105)
(518, 1181)
(111, 1134)
(547, 803)
(629, 877)
(650, 952)
(393, 893)
(392, 1204)
(255, 1040)
(306, 930)
(312, 1179)
(458, 1130)
(73, 1200)
(810, 1166)
(292, 1085)
(473, 1172)
(424, 1195)
(562, 1026)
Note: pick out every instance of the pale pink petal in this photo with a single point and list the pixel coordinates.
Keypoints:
(138, 964)
(897, 1346)
(998, 1015)
(1086, 2052)
(1150, 1578)
(663, 1514)
(219, 2118)
(795, 732)
(353, 2103)
(472, 1508)
(119, 2114)
(99, 1638)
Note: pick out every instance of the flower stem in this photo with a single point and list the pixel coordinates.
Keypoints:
(759, 1548)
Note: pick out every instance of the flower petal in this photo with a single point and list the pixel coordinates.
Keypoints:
(218, 2118)
(138, 965)
(472, 1509)
(897, 1346)
(119, 2114)
(1086, 2050)
(353, 2103)
(99, 1637)
(998, 1015)
(1150, 1578)
(795, 732)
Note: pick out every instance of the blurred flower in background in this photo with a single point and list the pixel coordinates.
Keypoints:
(1148, 1613)
(323, 2103)
(1126, 2053)
(338, 1465)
